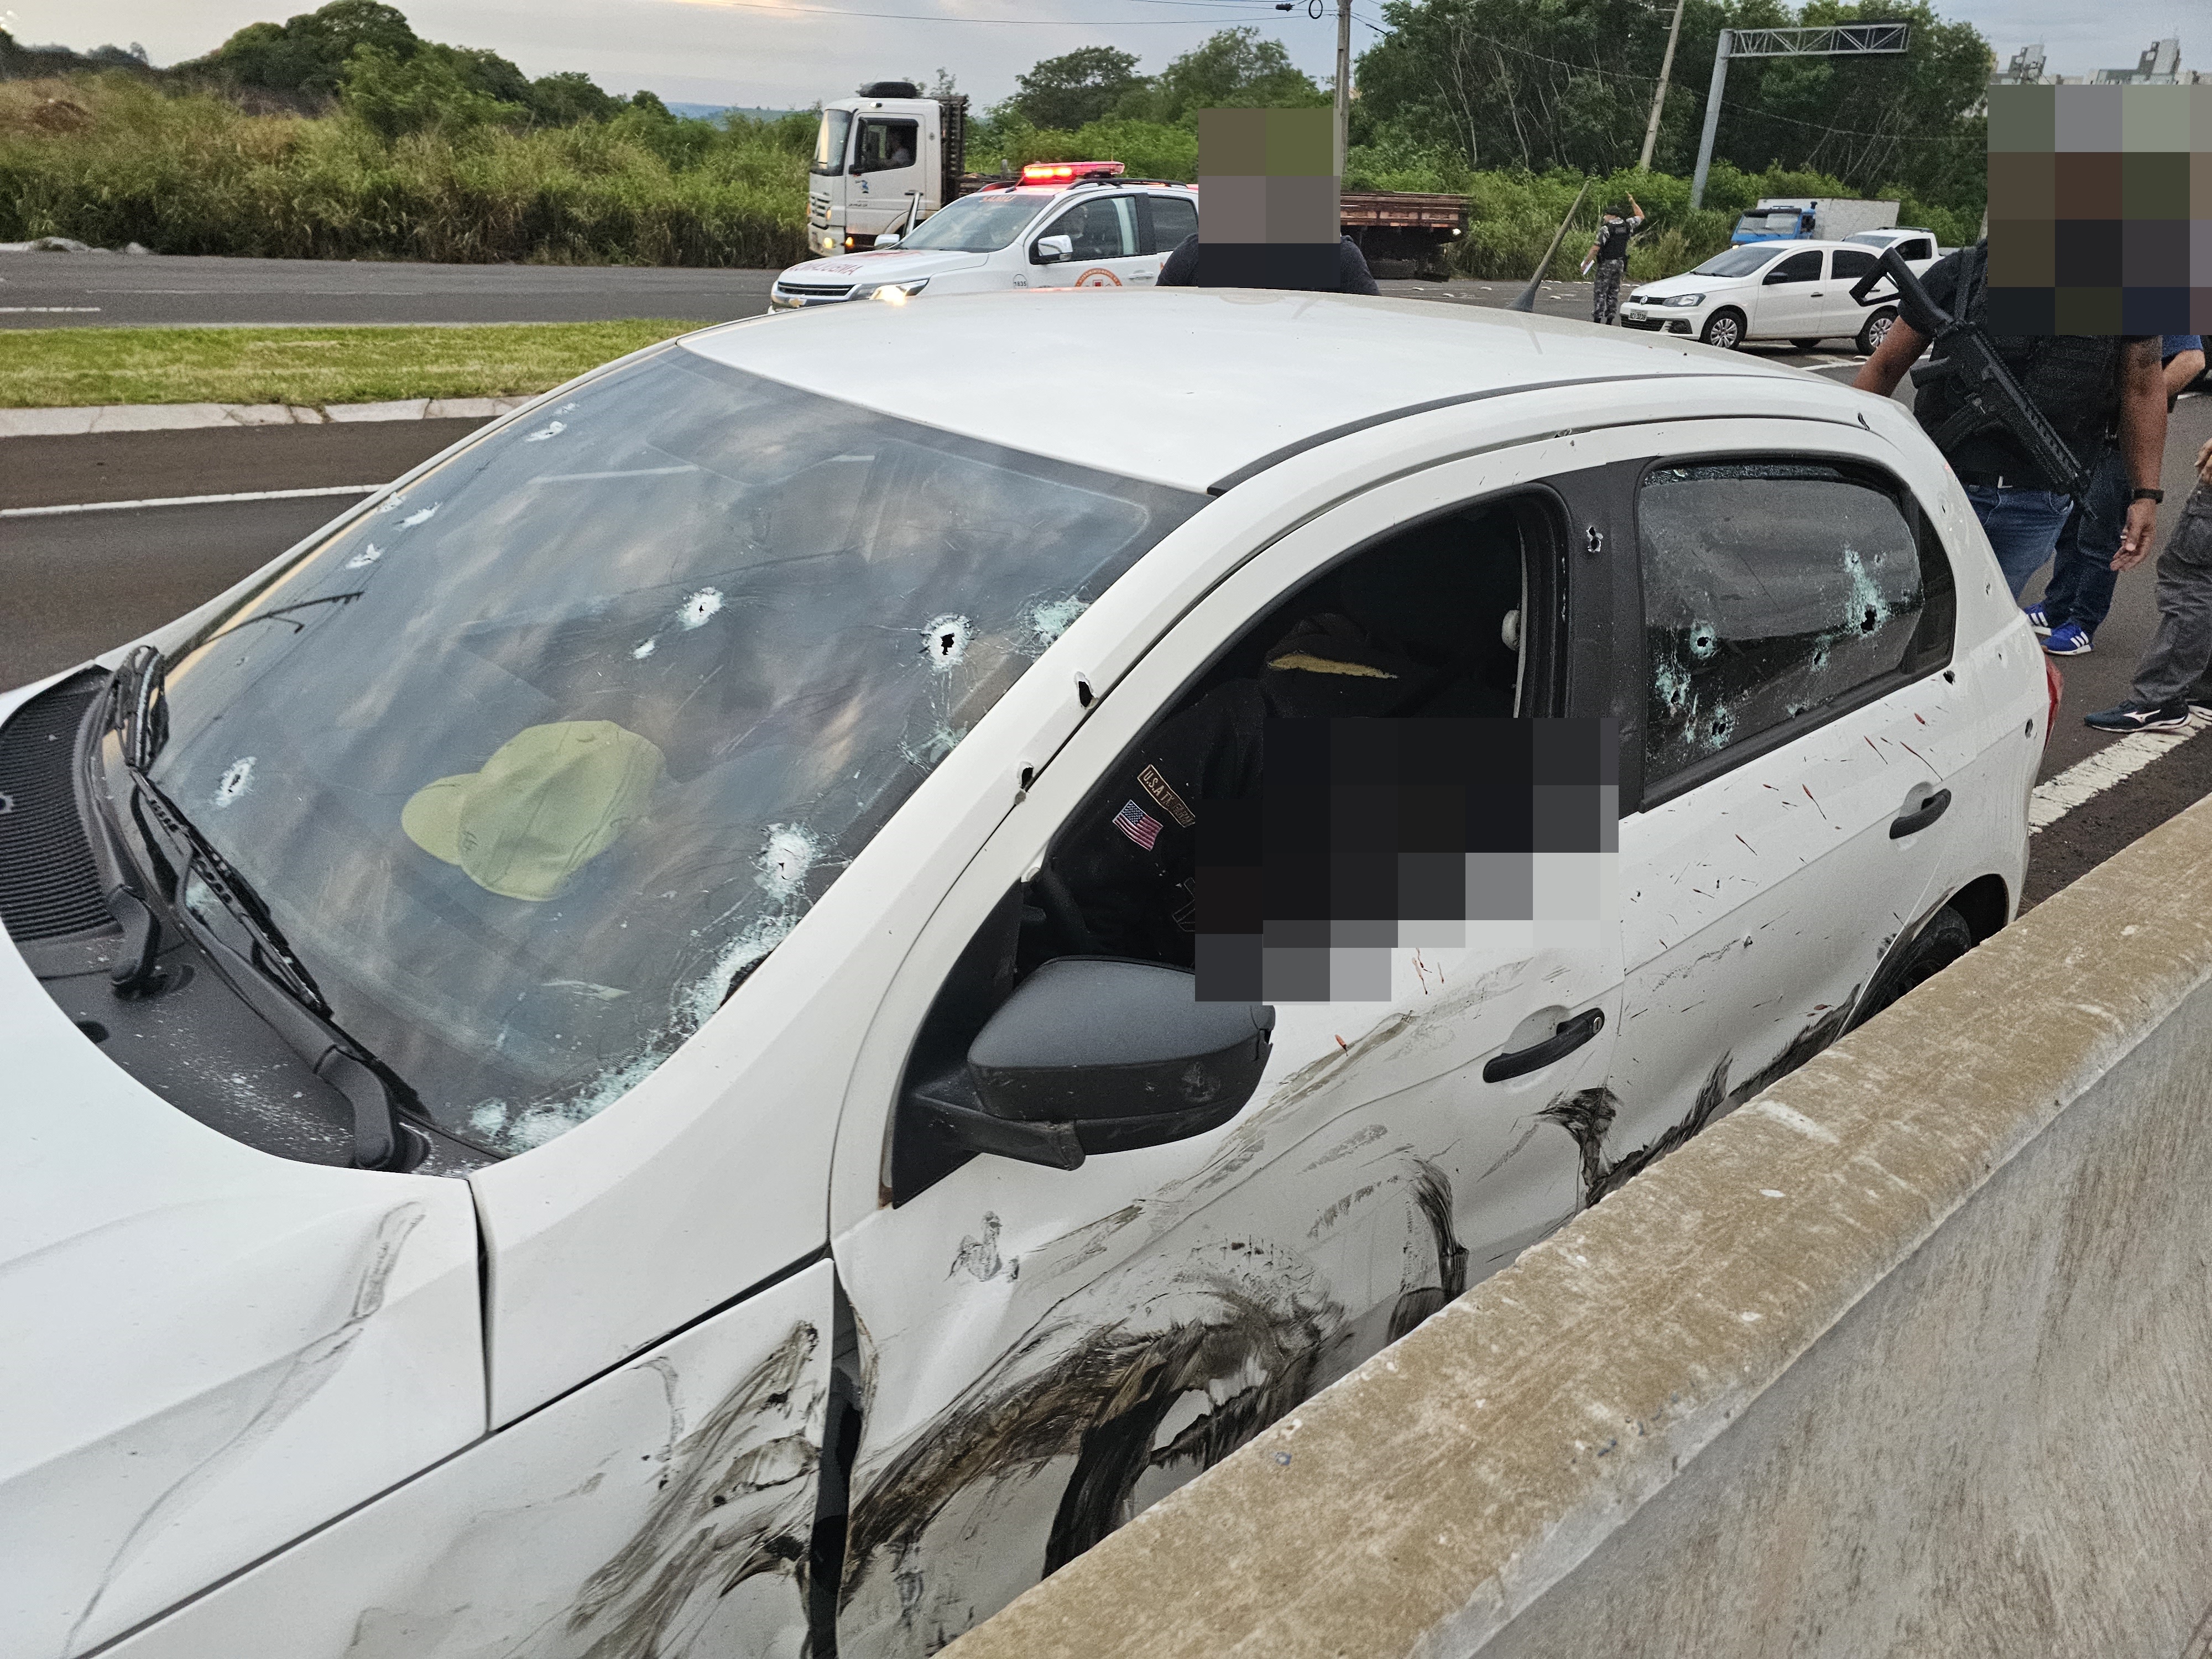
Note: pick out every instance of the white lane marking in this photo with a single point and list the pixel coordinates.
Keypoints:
(2085, 780)
(188, 501)
(46, 310)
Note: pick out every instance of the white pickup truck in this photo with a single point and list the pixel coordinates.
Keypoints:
(1074, 224)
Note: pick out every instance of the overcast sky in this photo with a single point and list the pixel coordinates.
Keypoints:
(787, 53)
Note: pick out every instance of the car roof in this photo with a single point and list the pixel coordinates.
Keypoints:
(1183, 386)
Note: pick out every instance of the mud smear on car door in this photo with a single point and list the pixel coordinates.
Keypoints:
(1101, 1395)
(757, 1440)
(1432, 1195)
(1588, 1113)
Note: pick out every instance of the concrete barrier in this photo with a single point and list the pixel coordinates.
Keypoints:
(1912, 1355)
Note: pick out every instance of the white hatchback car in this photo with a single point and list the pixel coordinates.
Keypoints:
(1797, 291)
(563, 1093)
(1095, 232)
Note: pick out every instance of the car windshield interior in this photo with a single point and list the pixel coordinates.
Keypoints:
(534, 762)
(1738, 261)
(976, 224)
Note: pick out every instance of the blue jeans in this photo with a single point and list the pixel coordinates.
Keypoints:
(2082, 576)
(2022, 526)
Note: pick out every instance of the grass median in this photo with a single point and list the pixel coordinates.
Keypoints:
(56, 368)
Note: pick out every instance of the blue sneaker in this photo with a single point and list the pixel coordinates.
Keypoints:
(2068, 640)
(2140, 717)
(2036, 619)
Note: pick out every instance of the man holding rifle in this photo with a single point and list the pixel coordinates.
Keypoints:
(2021, 418)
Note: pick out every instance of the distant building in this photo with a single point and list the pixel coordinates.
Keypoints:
(2159, 66)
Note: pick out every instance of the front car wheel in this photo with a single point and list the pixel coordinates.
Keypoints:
(1724, 329)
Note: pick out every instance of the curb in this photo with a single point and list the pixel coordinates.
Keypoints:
(171, 417)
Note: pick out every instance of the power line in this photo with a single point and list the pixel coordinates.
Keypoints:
(1650, 81)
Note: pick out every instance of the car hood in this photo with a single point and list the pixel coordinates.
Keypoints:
(1667, 287)
(209, 1350)
(889, 265)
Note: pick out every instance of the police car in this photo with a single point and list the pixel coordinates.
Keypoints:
(578, 1080)
(1067, 224)
(1797, 291)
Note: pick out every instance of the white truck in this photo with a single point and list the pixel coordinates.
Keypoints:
(883, 159)
(1824, 219)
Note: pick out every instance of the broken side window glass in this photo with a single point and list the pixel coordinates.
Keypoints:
(1770, 590)
(535, 762)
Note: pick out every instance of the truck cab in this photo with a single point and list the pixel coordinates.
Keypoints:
(886, 158)
(1831, 219)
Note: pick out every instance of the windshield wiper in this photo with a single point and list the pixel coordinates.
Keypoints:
(298, 1011)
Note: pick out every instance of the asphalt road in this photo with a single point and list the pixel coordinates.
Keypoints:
(61, 290)
(116, 290)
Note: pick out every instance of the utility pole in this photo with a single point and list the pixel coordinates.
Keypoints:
(1344, 78)
(1659, 92)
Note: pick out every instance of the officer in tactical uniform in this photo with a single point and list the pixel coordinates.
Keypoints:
(2086, 386)
(1425, 626)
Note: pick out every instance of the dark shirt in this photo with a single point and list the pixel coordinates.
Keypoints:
(1612, 238)
(2085, 419)
(1353, 276)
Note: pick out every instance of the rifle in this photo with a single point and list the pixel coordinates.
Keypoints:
(1989, 398)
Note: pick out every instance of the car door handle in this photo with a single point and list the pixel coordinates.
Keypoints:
(1570, 1036)
(1921, 816)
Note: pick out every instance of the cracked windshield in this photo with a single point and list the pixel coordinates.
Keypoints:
(537, 761)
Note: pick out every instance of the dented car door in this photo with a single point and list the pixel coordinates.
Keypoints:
(1039, 1352)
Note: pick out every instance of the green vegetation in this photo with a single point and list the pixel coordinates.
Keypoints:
(49, 368)
(111, 158)
(341, 133)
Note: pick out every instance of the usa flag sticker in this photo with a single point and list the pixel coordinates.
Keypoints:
(1137, 824)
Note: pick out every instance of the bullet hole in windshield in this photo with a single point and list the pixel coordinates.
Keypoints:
(550, 429)
(646, 650)
(783, 863)
(1703, 640)
(946, 641)
(367, 556)
(1052, 618)
(423, 517)
(699, 607)
(237, 778)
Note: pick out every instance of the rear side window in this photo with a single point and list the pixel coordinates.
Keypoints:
(1850, 265)
(1174, 218)
(1919, 248)
(1777, 591)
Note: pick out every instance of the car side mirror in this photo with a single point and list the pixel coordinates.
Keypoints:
(888, 239)
(1774, 277)
(1100, 1054)
(1051, 250)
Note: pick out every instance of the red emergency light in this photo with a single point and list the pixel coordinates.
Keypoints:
(1067, 173)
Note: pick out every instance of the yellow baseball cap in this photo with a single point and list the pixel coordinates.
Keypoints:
(550, 800)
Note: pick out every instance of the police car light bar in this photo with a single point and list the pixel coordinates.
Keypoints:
(1061, 172)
